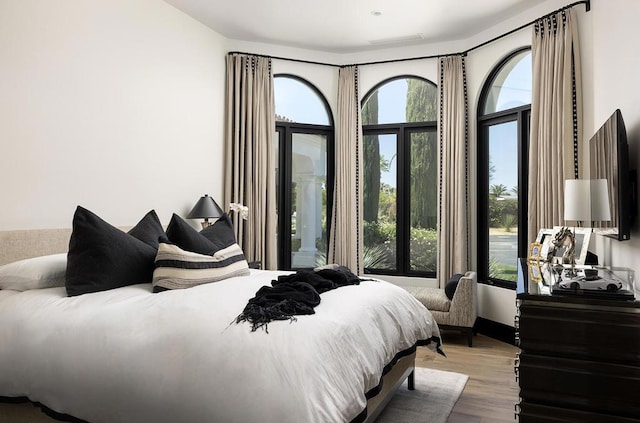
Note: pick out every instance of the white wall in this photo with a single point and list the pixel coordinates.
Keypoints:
(114, 105)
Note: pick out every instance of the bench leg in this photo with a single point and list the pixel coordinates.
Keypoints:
(411, 380)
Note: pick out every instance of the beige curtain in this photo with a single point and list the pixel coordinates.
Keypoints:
(345, 239)
(453, 215)
(556, 115)
(250, 155)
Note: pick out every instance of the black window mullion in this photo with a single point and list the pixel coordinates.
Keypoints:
(285, 216)
(402, 200)
(285, 131)
(523, 180)
(521, 115)
(402, 130)
(483, 203)
(403, 133)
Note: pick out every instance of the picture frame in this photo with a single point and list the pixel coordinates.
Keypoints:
(582, 238)
(535, 272)
(544, 238)
(543, 233)
(535, 251)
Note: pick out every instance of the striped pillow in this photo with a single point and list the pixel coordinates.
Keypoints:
(176, 268)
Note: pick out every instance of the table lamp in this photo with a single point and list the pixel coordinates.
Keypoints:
(586, 200)
(205, 208)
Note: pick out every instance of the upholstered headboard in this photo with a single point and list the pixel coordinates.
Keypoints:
(21, 244)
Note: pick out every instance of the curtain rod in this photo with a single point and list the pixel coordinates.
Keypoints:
(587, 4)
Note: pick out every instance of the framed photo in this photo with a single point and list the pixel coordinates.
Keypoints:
(535, 272)
(544, 238)
(535, 250)
(582, 237)
(542, 234)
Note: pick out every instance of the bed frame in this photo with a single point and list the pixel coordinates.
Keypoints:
(22, 244)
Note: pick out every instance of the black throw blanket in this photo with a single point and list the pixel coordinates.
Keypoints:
(293, 295)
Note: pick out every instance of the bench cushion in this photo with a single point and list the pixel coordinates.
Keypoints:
(433, 298)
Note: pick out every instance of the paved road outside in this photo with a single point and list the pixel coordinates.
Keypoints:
(503, 247)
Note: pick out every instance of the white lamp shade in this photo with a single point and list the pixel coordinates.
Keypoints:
(586, 200)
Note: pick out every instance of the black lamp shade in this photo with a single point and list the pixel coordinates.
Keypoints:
(206, 207)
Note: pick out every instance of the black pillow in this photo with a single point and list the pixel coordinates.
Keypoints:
(450, 287)
(221, 233)
(149, 229)
(186, 237)
(103, 257)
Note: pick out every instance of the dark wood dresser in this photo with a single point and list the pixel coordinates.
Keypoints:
(579, 358)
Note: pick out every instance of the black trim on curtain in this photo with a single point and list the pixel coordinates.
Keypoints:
(466, 156)
(539, 27)
(358, 131)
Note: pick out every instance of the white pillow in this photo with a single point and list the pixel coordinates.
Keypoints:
(34, 273)
(176, 268)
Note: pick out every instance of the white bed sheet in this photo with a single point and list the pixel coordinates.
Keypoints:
(128, 355)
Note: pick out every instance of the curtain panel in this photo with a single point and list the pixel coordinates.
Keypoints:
(453, 181)
(345, 238)
(556, 118)
(250, 154)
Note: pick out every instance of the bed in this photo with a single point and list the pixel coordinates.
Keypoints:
(131, 355)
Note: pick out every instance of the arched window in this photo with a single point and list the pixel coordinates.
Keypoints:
(400, 177)
(504, 115)
(304, 144)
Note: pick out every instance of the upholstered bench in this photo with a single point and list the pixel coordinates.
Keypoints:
(456, 312)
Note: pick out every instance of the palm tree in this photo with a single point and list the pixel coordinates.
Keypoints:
(498, 190)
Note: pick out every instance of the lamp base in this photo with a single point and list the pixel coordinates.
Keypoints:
(205, 224)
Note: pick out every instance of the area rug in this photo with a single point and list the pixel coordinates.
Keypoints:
(433, 399)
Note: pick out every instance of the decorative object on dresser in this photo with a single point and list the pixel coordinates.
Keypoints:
(455, 306)
(579, 358)
(206, 208)
(554, 250)
(585, 201)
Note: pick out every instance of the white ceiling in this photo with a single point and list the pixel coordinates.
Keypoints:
(343, 26)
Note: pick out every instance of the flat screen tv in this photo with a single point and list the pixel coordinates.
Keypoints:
(609, 159)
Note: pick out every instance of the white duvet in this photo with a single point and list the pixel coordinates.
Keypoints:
(128, 355)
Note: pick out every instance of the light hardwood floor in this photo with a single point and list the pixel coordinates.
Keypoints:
(492, 391)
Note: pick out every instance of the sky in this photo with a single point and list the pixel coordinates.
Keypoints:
(503, 153)
(298, 102)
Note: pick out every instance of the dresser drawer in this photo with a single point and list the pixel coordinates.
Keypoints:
(580, 384)
(536, 413)
(607, 334)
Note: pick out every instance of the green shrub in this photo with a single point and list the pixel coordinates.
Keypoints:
(424, 249)
(499, 209)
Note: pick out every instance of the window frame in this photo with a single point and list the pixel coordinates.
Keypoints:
(285, 131)
(403, 132)
(522, 116)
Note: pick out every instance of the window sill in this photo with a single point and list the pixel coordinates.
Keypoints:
(500, 284)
